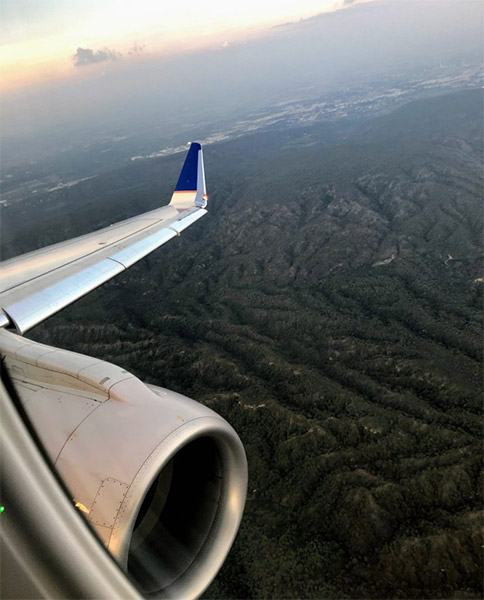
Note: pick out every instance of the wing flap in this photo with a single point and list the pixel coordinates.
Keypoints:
(34, 306)
(128, 256)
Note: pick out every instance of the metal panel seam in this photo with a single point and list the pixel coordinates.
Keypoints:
(77, 394)
(117, 261)
(74, 430)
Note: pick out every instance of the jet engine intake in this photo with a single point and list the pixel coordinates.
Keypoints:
(161, 478)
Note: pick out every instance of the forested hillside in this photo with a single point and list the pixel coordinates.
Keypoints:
(330, 308)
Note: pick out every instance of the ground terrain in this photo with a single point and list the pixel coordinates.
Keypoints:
(330, 308)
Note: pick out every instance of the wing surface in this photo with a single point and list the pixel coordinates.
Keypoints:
(36, 285)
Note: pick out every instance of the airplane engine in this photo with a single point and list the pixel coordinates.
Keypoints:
(161, 478)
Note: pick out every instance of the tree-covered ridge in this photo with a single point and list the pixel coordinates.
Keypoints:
(330, 308)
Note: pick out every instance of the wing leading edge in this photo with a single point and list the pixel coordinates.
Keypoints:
(36, 285)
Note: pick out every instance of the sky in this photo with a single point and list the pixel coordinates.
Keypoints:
(44, 40)
(76, 71)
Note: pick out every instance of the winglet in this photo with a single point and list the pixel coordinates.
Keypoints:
(190, 189)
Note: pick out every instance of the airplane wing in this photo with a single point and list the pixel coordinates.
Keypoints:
(36, 285)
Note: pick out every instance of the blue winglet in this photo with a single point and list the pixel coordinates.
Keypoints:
(188, 176)
(191, 189)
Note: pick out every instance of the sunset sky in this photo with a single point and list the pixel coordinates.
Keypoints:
(40, 38)
(76, 67)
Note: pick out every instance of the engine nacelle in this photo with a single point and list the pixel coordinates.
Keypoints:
(161, 478)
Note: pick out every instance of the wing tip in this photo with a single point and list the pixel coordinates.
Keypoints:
(190, 189)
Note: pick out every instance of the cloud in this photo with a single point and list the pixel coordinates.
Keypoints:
(136, 49)
(87, 56)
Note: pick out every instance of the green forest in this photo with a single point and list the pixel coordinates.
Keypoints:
(329, 306)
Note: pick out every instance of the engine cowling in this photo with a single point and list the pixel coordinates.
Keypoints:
(161, 478)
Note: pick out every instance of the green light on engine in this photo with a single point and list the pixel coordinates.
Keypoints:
(2, 508)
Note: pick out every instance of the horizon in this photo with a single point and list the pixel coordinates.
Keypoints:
(104, 92)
